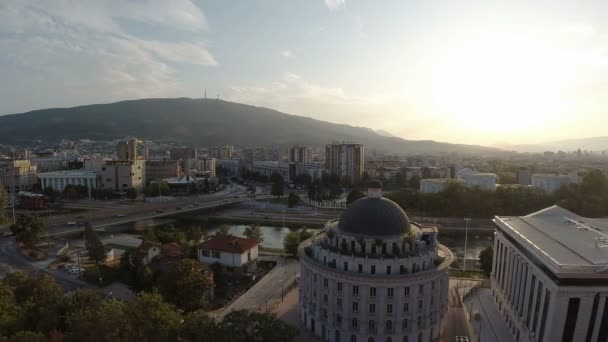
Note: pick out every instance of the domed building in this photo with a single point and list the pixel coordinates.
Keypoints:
(374, 276)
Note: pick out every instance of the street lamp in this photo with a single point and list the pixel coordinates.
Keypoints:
(466, 231)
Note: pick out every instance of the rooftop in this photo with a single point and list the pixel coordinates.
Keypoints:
(229, 244)
(69, 173)
(567, 242)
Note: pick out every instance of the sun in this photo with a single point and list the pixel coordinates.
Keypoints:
(500, 85)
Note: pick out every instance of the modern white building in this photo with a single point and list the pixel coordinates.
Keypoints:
(550, 276)
(235, 254)
(123, 174)
(485, 181)
(435, 185)
(550, 183)
(373, 275)
(58, 180)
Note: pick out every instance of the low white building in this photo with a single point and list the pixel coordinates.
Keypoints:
(550, 183)
(485, 181)
(231, 165)
(435, 185)
(58, 180)
(235, 254)
(550, 276)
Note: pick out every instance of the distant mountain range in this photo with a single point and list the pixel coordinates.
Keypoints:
(203, 122)
(589, 144)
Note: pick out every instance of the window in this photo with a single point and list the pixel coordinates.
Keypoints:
(404, 324)
(339, 303)
(432, 285)
(314, 278)
(325, 298)
(390, 291)
(373, 269)
(419, 322)
(372, 325)
(370, 339)
(372, 308)
(355, 290)
(108, 179)
(325, 282)
(215, 254)
(354, 323)
(353, 338)
(360, 268)
(406, 307)
(103, 169)
(389, 308)
(339, 319)
(432, 300)
(402, 269)
(388, 270)
(420, 289)
(339, 287)
(420, 304)
(372, 292)
(345, 266)
(355, 307)
(389, 339)
(405, 339)
(205, 253)
(324, 313)
(389, 325)
(406, 292)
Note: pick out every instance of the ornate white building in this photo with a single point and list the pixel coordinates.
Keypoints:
(374, 276)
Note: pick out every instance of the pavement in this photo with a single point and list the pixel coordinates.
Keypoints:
(287, 311)
(262, 295)
(456, 323)
(493, 325)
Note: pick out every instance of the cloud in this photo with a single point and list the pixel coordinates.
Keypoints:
(89, 48)
(286, 53)
(334, 5)
(579, 29)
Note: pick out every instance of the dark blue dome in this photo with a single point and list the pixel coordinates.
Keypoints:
(374, 217)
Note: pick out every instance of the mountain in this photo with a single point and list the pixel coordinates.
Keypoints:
(589, 144)
(201, 122)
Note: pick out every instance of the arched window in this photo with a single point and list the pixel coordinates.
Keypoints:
(353, 338)
(372, 325)
(389, 325)
(354, 323)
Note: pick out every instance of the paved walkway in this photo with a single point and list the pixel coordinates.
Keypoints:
(493, 326)
(268, 289)
(287, 311)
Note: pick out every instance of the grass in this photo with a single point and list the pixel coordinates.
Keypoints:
(468, 274)
(272, 250)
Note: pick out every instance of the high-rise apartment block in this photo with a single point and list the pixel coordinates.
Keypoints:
(345, 160)
(224, 152)
(181, 153)
(127, 150)
(299, 154)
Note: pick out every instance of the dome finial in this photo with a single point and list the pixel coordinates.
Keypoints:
(374, 189)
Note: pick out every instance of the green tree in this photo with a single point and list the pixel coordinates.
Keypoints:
(291, 243)
(79, 300)
(354, 195)
(254, 232)
(131, 193)
(253, 326)
(223, 230)
(185, 285)
(414, 182)
(108, 322)
(2, 204)
(198, 326)
(292, 199)
(157, 189)
(276, 188)
(94, 246)
(12, 317)
(152, 319)
(27, 229)
(304, 233)
(486, 257)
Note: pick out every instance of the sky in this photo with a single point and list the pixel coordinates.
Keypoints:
(482, 72)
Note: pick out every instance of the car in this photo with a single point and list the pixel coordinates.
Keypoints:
(7, 234)
(120, 215)
(71, 223)
(196, 204)
(178, 208)
(160, 211)
(79, 217)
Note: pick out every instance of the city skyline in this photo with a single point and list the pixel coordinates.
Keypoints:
(475, 72)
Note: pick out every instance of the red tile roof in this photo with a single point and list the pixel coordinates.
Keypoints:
(172, 250)
(229, 244)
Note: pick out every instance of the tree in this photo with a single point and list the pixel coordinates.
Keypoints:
(2, 204)
(276, 188)
(254, 326)
(27, 229)
(108, 322)
(304, 233)
(485, 259)
(223, 230)
(291, 243)
(414, 182)
(157, 189)
(131, 193)
(198, 326)
(79, 299)
(152, 319)
(292, 199)
(185, 285)
(94, 246)
(254, 232)
(354, 195)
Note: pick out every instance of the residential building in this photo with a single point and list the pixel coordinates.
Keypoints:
(549, 276)
(181, 153)
(373, 275)
(145, 253)
(17, 175)
(47, 164)
(485, 181)
(268, 168)
(224, 152)
(234, 254)
(345, 160)
(127, 150)
(59, 180)
(550, 183)
(524, 176)
(161, 169)
(31, 201)
(123, 174)
(435, 172)
(314, 169)
(94, 164)
(232, 166)
(299, 154)
(201, 166)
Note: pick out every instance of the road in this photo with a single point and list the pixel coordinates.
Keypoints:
(270, 287)
(12, 260)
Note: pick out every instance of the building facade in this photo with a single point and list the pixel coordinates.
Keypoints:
(224, 152)
(235, 254)
(373, 275)
(485, 181)
(181, 153)
(123, 174)
(59, 180)
(433, 186)
(161, 169)
(345, 160)
(549, 276)
(550, 183)
(17, 175)
(299, 154)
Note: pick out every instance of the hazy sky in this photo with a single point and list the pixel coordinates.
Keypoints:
(482, 72)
